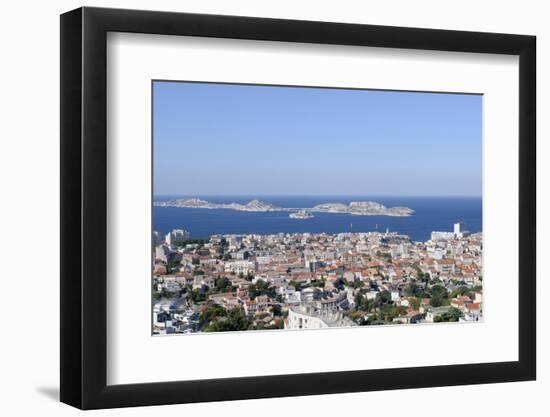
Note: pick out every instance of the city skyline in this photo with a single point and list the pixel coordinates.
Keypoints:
(243, 140)
(305, 281)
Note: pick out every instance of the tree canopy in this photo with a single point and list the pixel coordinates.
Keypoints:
(454, 314)
(261, 288)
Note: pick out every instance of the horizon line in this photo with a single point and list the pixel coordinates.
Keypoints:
(318, 195)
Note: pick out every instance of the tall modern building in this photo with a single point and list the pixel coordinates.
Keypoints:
(157, 238)
(459, 230)
(176, 236)
(457, 233)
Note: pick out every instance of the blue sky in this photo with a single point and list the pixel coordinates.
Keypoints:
(227, 139)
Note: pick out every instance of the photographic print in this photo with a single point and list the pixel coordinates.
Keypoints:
(295, 208)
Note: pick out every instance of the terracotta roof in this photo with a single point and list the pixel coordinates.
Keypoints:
(445, 261)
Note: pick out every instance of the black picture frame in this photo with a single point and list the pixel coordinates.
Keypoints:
(84, 207)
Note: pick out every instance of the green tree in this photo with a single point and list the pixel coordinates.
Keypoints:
(389, 312)
(357, 316)
(438, 295)
(320, 283)
(173, 265)
(415, 303)
(197, 296)
(383, 297)
(355, 284)
(410, 289)
(261, 288)
(435, 281)
(454, 314)
(211, 313)
(462, 290)
(276, 310)
(222, 284)
(298, 285)
(233, 320)
(421, 276)
(358, 299)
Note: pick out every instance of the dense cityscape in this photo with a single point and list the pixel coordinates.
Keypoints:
(314, 280)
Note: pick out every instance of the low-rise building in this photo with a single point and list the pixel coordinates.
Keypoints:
(302, 318)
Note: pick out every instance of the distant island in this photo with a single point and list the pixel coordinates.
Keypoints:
(359, 208)
(254, 205)
(363, 208)
(301, 214)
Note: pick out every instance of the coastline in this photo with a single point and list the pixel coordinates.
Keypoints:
(357, 208)
(431, 213)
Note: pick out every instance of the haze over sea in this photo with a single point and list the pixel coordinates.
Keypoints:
(431, 213)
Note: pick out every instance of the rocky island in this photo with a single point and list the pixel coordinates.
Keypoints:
(363, 208)
(358, 208)
(301, 214)
(254, 205)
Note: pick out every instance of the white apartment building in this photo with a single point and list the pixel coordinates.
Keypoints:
(300, 318)
(458, 229)
(442, 236)
(176, 236)
(241, 267)
(157, 239)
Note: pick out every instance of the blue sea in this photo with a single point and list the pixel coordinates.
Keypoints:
(431, 213)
